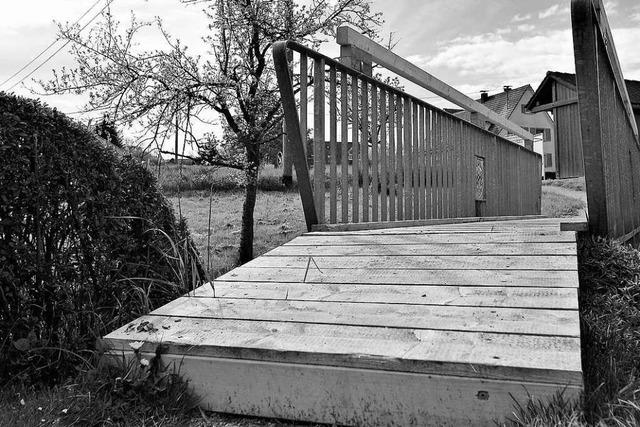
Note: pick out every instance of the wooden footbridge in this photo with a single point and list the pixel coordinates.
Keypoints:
(428, 290)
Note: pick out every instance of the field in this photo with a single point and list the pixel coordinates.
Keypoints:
(278, 215)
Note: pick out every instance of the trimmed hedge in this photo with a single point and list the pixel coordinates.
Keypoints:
(87, 242)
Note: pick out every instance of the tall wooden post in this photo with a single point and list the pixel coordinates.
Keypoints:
(585, 50)
(287, 153)
(287, 159)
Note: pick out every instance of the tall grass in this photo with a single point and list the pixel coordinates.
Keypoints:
(610, 330)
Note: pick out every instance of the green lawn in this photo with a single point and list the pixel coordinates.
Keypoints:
(278, 219)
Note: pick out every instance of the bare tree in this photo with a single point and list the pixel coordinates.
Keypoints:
(164, 90)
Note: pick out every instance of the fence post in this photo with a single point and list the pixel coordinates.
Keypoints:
(585, 51)
(295, 136)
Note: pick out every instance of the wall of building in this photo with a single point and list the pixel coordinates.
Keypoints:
(568, 141)
(537, 121)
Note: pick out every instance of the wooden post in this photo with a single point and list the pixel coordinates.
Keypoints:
(295, 134)
(287, 159)
(287, 153)
(585, 50)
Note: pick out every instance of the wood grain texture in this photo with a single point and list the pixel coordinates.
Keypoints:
(473, 296)
(364, 313)
(445, 318)
(469, 354)
(348, 396)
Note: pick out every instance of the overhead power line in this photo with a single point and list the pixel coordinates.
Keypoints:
(59, 49)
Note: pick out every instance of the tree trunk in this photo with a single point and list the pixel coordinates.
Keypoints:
(251, 190)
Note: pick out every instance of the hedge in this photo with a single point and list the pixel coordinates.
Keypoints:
(87, 242)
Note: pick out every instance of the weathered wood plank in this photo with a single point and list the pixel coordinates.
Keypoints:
(375, 162)
(423, 236)
(384, 174)
(477, 249)
(364, 150)
(470, 354)
(355, 147)
(475, 296)
(506, 278)
(344, 153)
(431, 262)
(450, 318)
(333, 149)
(392, 159)
(350, 396)
(400, 172)
(319, 137)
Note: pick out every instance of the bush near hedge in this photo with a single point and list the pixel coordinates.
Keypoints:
(87, 242)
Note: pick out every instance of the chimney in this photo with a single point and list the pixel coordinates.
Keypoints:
(506, 88)
(484, 95)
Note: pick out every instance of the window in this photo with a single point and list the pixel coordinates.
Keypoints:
(548, 160)
(480, 179)
(547, 134)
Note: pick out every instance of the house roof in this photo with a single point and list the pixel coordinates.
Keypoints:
(544, 95)
(504, 103)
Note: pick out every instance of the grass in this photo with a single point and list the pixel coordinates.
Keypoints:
(556, 203)
(575, 184)
(278, 218)
(610, 329)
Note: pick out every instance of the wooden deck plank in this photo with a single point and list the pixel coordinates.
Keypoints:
(431, 238)
(477, 249)
(470, 354)
(506, 278)
(451, 318)
(348, 396)
(401, 320)
(476, 296)
(421, 262)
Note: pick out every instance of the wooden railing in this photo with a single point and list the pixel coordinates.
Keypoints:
(380, 154)
(609, 130)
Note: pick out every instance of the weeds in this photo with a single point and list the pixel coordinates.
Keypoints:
(126, 391)
(610, 329)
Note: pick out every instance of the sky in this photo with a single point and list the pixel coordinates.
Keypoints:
(470, 44)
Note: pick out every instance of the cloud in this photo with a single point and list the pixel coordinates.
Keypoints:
(611, 7)
(554, 10)
(520, 18)
(491, 60)
(526, 28)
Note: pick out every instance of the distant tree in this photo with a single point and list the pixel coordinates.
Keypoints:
(107, 130)
(165, 90)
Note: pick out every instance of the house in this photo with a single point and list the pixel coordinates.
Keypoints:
(557, 94)
(510, 105)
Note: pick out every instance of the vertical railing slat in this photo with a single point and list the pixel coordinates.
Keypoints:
(414, 161)
(319, 137)
(399, 158)
(304, 100)
(422, 164)
(384, 174)
(344, 146)
(391, 158)
(429, 165)
(408, 176)
(364, 149)
(374, 154)
(333, 142)
(355, 170)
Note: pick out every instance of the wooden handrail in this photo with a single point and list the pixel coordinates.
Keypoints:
(399, 157)
(379, 54)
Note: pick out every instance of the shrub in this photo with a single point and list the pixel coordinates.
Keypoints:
(88, 243)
